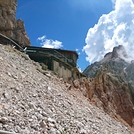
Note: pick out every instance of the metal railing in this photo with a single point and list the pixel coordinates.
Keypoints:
(10, 41)
(6, 132)
(53, 53)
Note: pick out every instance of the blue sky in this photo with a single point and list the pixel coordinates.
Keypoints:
(69, 24)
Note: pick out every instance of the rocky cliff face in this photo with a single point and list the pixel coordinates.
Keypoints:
(9, 26)
(110, 85)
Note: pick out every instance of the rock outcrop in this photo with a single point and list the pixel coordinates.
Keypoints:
(110, 85)
(9, 26)
(106, 92)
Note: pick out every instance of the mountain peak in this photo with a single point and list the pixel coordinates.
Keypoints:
(113, 77)
(118, 52)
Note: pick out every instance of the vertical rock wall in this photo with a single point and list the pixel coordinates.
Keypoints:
(108, 93)
(9, 26)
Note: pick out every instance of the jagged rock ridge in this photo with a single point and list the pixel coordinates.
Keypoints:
(9, 26)
(110, 85)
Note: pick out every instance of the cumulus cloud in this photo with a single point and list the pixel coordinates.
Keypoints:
(113, 29)
(49, 43)
(78, 51)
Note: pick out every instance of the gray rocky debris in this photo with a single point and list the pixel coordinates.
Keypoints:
(33, 103)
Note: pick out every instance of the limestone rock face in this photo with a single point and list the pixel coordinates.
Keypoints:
(110, 85)
(106, 92)
(9, 26)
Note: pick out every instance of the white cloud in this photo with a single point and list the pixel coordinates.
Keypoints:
(78, 51)
(41, 38)
(113, 29)
(49, 43)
